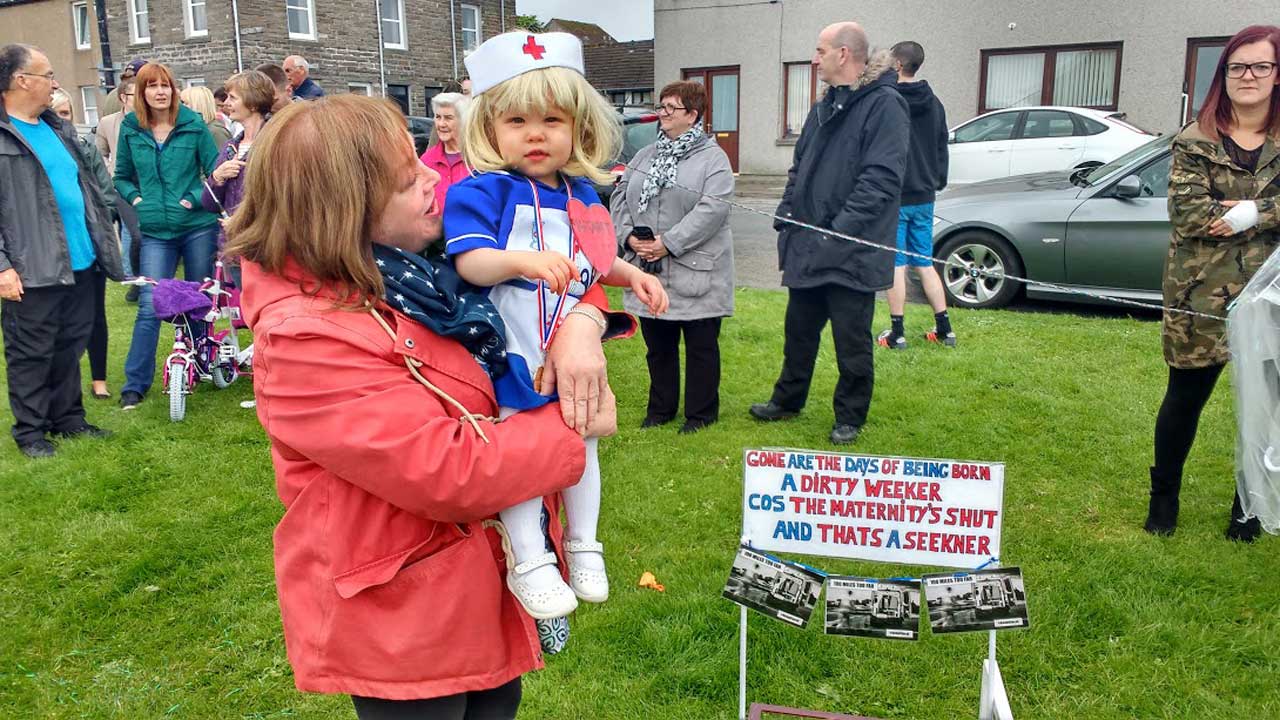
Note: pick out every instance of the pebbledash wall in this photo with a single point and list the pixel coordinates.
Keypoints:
(343, 56)
(760, 37)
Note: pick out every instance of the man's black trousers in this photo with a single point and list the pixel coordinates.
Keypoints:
(44, 336)
(851, 313)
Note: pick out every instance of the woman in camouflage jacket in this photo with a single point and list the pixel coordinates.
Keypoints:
(1224, 205)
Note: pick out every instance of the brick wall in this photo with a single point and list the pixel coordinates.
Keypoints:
(345, 49)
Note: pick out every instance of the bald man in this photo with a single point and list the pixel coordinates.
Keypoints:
(298, 71)
(847, 176)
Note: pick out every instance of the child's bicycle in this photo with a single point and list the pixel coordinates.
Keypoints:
(201, 352)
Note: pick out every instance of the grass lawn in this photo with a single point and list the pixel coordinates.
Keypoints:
(136, 577)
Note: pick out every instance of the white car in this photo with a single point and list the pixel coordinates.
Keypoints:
(1025, 140)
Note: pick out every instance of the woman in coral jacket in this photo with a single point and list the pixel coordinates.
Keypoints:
(388, 567)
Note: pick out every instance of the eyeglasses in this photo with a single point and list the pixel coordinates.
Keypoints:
(1235, 71)
(46, 76)
(669, 109)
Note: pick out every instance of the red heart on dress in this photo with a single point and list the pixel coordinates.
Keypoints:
(593, 230)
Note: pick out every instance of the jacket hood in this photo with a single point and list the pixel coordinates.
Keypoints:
(874, 74)
(186, 116)
(919, 96)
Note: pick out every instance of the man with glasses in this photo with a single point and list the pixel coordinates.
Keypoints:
(52, 235)
(114, 103)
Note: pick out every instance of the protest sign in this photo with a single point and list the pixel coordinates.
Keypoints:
(983, 600)
(782, 590)
(888, 509)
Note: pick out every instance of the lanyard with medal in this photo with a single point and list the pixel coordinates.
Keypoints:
(547, 330)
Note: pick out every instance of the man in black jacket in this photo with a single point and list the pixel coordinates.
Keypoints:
(926, 176)
(55, 227)
(846, 176)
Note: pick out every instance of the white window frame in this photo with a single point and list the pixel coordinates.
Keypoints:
(462, 21)
(139, 35)
(310, 7)
(352, 88)
(188, 18)
(404, 28)
(89, 102)
(80, 24)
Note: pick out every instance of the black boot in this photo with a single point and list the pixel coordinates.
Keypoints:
(1241, 530)
(1162, 510)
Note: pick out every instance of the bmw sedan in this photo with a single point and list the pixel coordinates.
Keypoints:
(1104, 230)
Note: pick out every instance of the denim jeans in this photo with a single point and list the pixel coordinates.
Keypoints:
(159, 260)
(126, 241)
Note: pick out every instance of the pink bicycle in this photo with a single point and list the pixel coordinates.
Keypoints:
(202, 352)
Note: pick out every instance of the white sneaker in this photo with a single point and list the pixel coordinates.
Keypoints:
(590, 584)
(543, 595)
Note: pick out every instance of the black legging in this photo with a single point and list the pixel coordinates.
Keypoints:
(1179, 416)
(98, 338)
(499, 703)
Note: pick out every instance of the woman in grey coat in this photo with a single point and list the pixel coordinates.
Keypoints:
(683, 237)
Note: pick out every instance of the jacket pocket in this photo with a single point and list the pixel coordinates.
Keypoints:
(434, 619)
(406, 563)
(691, 273)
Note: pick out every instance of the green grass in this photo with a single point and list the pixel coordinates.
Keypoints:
(136, 578)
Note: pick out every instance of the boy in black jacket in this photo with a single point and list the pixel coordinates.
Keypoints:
(926, 175)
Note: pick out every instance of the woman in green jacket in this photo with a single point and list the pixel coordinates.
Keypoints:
(1224, 205)
(164, 153)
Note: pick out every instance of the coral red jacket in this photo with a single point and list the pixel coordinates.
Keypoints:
(389, 584)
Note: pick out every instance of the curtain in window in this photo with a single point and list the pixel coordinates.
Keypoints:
(1085, 78)
(798, 100)
(1014, 80)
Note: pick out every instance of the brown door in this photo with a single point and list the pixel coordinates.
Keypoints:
(1202, 61)
(721, 117)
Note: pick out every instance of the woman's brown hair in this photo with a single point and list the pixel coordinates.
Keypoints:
(693, 97)
(147, 117)
(255, 89)
(319, 178)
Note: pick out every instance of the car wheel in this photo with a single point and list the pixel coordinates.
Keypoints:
(974, 275)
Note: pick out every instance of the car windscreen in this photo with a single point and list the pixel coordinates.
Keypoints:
(635, 137)
(1103, 173)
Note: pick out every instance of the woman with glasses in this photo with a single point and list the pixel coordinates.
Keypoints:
(671, 221)
(1224, 204)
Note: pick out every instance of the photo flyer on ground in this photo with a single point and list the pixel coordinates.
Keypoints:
(868, 607)
(944, 513)
(781, 589)
(993, 599)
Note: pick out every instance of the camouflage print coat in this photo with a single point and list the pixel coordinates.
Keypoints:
(1203, 273)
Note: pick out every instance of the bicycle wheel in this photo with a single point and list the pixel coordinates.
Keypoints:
(223, 376)
(177, 392)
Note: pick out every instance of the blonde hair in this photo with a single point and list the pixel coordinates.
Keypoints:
(201, 100)
(59, 97)
(597, 134)
(321, 174)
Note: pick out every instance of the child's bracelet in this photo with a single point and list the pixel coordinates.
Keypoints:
(597, 317)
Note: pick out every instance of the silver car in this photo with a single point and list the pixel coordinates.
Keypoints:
(1104, 229)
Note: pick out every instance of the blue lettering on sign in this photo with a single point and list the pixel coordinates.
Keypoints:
(800, 462)
(894, 541)
(768, 503)
(789, 483)
(793, 530)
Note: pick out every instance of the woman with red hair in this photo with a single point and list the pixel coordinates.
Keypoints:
(1224, 204)
(164, 153)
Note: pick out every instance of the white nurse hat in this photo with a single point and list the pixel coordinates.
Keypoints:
(505, 56)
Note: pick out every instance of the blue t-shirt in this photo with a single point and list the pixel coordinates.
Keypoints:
(498, 210)
(64, 176)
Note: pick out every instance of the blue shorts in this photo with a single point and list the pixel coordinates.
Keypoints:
(915, 234)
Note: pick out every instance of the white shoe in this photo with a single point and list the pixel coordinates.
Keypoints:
(542, 600)
(589, 584)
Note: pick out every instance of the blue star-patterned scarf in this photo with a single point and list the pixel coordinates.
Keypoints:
(431, 292)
